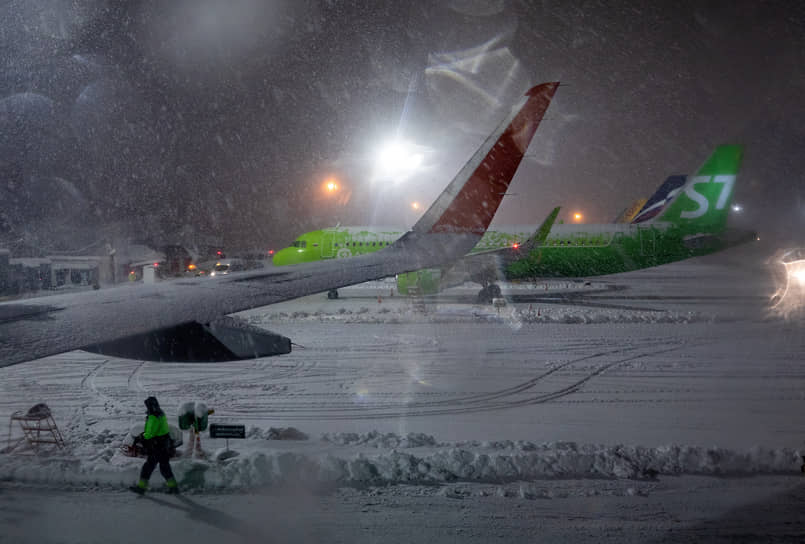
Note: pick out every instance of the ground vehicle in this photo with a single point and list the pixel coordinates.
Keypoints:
(226, 266)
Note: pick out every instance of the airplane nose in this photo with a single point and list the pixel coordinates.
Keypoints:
(288, 255)
(280, 258)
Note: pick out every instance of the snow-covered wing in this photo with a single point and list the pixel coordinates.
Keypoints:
(38, 327)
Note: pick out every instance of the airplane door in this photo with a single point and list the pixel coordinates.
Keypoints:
(327, 241)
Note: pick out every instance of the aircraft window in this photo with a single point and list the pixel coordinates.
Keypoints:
(360, 244)
(336, 244)
(315, 245)
(299, 243)
(374, 243)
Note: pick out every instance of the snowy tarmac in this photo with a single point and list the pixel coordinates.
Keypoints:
(655, 405)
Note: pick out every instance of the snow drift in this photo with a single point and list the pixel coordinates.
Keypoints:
(353, 460)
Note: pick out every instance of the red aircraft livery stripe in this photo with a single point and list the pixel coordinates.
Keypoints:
(491, 177)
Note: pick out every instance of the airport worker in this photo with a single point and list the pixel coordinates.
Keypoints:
(157, 445)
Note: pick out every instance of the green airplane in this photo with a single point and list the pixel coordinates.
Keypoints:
(684, 221)
(482, 264)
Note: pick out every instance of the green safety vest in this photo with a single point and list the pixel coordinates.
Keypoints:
(156, 426)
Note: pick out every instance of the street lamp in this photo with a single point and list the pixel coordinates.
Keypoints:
(331, 185)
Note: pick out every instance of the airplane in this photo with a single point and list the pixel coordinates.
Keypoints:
(479, 265)
(688, 220)
(657, 234)
(187, 319)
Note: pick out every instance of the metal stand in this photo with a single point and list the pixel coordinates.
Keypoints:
(38, 427)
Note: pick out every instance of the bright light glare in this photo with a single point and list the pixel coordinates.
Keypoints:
(330, 185)
(737, 208)
(397, 160)
(577, 217)
(789, 299)
(415, 205)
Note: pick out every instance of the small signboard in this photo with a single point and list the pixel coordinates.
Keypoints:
(227, 431)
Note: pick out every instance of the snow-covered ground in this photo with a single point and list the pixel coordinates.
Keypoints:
(600, 395)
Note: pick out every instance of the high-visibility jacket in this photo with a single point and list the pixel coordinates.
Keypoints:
(155, 426)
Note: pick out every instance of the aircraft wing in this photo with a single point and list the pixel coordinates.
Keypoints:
(38, 327)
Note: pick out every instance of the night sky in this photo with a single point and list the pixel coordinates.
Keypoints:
(187, 120)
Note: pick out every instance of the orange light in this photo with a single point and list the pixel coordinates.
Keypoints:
(191, 267)
(577, 216)
(415, 205)
(331, 185)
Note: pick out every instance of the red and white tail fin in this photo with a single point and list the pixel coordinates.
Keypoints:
(469, 203)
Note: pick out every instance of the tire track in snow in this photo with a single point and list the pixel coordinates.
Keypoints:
(136, 374)
(467, 404)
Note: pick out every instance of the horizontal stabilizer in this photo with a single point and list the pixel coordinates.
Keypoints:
(225, 339)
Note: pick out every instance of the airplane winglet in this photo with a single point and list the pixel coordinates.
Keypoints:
(486, 176)
(539, 236)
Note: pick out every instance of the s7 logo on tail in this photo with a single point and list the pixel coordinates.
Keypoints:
(726, 180)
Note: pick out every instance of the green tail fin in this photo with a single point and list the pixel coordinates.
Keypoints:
(539, 236)
(703, 202)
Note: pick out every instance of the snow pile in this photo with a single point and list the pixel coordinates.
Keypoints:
(376, 439)
(351, 459)
(464, 314)
(588, 316)
(275, 433)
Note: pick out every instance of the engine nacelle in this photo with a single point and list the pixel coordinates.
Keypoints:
(227, 338)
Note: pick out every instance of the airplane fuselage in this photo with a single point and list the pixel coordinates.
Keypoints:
(568, 251)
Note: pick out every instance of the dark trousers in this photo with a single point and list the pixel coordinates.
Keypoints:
(158, 453)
